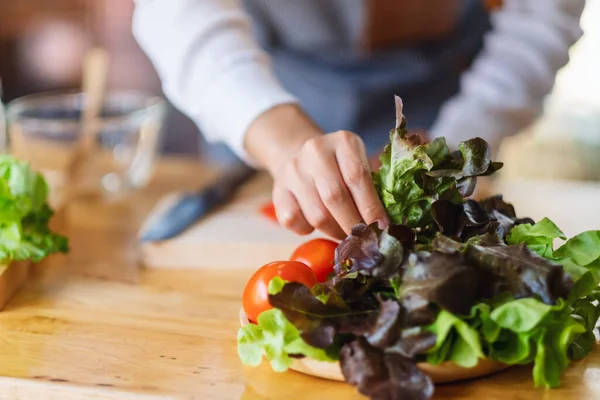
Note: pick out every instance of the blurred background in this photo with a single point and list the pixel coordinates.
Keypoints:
(565, 142)
(42, 43)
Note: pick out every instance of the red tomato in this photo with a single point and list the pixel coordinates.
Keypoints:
(268, 210)
(319, 255)
(255, 299)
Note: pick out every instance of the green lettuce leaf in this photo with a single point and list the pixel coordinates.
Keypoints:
(19, 181)
(532, 331)
(403, 197)
(553, 341)
(277, 339)
(440, 353)
(582, 250)
(518, 331)
(511, 348)
(25, 215)
(580, 258)
(414, 173)
(548, 335)
(465, 349)
(276, 285)
(578, 255)
(538, 237)
(520, 315)
(553, 335)
(587, 311)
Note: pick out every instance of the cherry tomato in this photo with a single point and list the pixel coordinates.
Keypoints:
(268, 210)
(255, 299)
(319, 255)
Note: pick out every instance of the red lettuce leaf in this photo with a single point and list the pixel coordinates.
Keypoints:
(389, 332)
(319, 321)
(515, 268)
(473, 159)
(437, 278)
(387, 328)
(413, 342)
(371, 252)
(383, 376)
(504, 214)
(462, 221)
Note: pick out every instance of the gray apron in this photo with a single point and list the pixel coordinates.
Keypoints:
(341, 86)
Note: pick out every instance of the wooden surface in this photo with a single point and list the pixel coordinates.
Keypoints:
(237, 236)
(94, 325)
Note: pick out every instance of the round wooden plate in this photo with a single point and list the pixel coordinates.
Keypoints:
(444, 372)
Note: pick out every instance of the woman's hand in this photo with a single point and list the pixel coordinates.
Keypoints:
(321, 181)
(327, 186)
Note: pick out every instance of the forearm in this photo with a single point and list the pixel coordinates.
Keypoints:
(210, 66)
(504, 90)
(278, 134)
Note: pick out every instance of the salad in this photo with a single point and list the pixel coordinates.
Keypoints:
(25, 215)
(452, 280)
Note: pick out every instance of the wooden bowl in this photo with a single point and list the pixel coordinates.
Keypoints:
(442, 373)
(12, 277)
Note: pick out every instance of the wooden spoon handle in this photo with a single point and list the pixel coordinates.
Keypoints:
(95, 71)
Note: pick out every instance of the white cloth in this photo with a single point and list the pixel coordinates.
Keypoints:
(214, 71)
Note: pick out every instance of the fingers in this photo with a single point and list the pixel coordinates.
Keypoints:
(288, 212)
(316, 213)
(327, 186)
(308, 204)
(356, 173)
(332, 189)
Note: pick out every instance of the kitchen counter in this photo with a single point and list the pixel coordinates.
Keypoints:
(94, 325)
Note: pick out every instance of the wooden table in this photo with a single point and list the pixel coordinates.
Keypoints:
(95, 326)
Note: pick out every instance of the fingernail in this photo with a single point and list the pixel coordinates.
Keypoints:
(383, 223)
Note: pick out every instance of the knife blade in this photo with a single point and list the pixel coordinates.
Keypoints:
(191, 207)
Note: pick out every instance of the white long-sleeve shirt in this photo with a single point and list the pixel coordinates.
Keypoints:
(214, 70)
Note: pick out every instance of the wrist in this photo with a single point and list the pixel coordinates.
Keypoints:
(278, 134)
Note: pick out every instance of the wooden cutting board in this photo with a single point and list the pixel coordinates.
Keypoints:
(12, 278)
(238, 232)
(228, 238)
